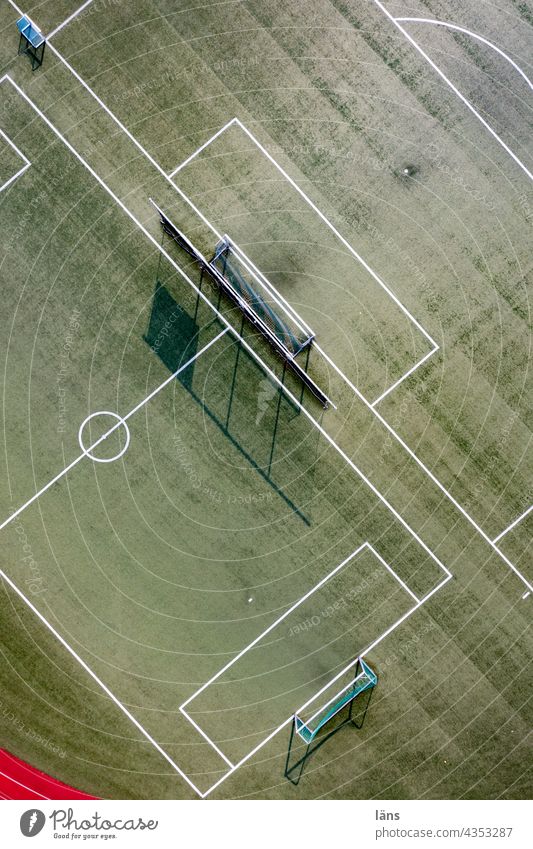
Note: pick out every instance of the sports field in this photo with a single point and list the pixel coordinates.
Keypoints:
(194, 547)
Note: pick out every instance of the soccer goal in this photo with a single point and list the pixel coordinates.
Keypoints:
(294, 337)
(362, 681)
(32, 41)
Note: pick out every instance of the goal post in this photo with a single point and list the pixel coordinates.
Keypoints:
(255, 308)
(31, 42)
(308, 728)
(291, 335)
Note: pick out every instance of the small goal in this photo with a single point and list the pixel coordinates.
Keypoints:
(362, 681)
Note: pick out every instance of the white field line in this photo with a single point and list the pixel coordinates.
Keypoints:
(100, 683)
(38, 494)
(454, 88)
(392, 572)
(377, 641)
(322, 217)
(271, 291)
(151, 238)
(330, 701)
(111, 430)
(252, 353)
(372, 406)
(274, 624)
(404, 376)
(19, 153)
(202, 147)
(69, 19)
(263, 280)
(211, 743)
(514, 524)
(342, 672)
(269, 286)
(475, 35)
(426, 469)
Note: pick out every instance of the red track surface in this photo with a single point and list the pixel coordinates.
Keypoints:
(19, 780)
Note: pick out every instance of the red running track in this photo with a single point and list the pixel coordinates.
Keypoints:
(19, 780)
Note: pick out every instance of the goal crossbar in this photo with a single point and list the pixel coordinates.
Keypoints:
(256, 320)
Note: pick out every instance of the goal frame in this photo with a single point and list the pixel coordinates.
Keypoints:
(367, 679)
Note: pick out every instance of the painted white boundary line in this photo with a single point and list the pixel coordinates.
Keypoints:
(19, 153)
(469, 32)
(267, 284)
(69, 19)
(202, 147)
(265, 368)
(156, 165)
(424, 468)
(273, 625)
(329, 701)
(275, 293)
(513, 524)
(371, 406)
(339, 675)
(100, 683)
(454, 88)
(235, 121)
(404, 376)
(392, 572)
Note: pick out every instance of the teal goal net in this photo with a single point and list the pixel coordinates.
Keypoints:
(319, 726)
(270, 311)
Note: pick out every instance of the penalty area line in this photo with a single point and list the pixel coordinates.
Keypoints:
(286, 722)
(111, 430)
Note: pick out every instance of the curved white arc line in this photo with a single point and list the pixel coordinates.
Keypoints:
(473, 35)
(453, 87)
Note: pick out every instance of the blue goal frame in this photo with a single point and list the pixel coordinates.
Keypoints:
(364, 681)
(32, 41)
